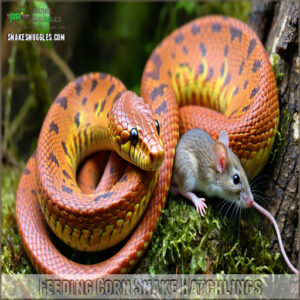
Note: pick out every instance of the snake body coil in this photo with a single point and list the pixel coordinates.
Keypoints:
(216, 63)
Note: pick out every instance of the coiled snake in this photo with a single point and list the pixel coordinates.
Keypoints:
(216, 63)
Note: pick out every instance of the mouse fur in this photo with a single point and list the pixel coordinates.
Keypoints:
(196, 169)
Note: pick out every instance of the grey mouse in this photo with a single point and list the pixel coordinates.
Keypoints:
(203, 165)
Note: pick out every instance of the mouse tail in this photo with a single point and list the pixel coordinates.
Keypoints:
(271, 218)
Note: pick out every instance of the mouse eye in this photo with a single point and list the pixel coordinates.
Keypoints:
(157, 127)
(133, 136)
(236, 179)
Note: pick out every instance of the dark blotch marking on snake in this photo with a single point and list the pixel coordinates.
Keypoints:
(158, 91)
(210, 74)
(34, 193)
(110, 90)
(66, 174)
(201, 68)
(77, 119)
(185, 50)
(251, 47)
(195, 29)
(235, 33)
(222, 69)
(227, 80)
(178, 38)
(103, 75)
(256, 65)
(65, 148)
(203, 49)
(62, 101)
(26, 171)
(83, 102)
(78, 87)
(94, 84)
(173, 55)
(111, 170)
(235, 91)
(53, 127)
(186, 64)
(117, 97)
(97, 198)
(53, 158)
(246, 84)
(96, 106)
(104, 196)
(155, 58)
(226, 50)
(254, 92)
(107, 195)
(216, 27)
(246, 107)
(124, 178)
(233, 112)
(102, 106)
(162, 108)
(66, 189)
(241, 67)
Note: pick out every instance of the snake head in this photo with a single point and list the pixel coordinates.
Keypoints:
(135, 132)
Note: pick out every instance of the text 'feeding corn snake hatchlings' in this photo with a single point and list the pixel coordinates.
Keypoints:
(216, 63)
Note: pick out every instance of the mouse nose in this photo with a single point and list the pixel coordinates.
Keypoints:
(250, 201)
(247, 200)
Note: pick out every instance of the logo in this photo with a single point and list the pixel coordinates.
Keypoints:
(17, 16)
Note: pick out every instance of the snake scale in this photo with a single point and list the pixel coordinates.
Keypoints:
(215, 69)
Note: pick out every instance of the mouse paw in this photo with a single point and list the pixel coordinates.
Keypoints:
(198, 202)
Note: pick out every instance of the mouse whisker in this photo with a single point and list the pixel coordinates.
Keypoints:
(224, 203)
(230, 204)
(259, 180)
(257, 191)
(259, 197)
(233, 210)
(240, 212)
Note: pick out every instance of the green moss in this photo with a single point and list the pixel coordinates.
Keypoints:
(275, 62)
(285, 120)
(186, 243)
(10, 235)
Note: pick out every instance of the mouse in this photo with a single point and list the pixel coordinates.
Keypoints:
(210, 167)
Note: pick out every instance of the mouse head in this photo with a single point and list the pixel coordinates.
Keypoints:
(231, 177)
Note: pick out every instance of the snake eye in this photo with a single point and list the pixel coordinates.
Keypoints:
(134, 136)
(157, 127)
(236, 179)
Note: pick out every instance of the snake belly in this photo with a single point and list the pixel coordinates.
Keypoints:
(217, 70)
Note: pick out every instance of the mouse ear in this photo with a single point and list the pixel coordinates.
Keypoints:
(223, 138)
(220, 156)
